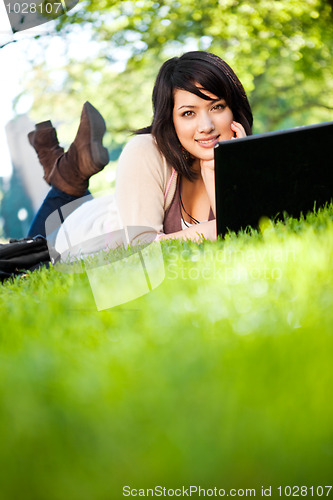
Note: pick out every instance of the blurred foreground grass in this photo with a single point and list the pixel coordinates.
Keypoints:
(222, 376)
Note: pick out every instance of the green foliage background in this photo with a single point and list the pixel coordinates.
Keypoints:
(281, 49)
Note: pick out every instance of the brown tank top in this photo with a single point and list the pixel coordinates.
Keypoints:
(173, 216)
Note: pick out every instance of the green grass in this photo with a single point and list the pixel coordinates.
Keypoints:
(221, 376)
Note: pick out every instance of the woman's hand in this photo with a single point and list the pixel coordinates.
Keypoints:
(238, 130)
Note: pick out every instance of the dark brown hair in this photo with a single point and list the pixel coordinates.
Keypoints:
(215, 76)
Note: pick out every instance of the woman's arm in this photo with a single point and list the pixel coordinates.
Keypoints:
(208, 176)
(140, 185)
(140, 194)
(195, 232)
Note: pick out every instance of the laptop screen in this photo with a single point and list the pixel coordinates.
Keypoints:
(287, 172)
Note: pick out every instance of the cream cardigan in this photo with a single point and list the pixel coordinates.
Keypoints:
(145, 186)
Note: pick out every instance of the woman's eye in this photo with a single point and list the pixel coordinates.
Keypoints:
(187, 113)
(219, 106)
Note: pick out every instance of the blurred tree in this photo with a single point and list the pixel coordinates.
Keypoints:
(281, 49)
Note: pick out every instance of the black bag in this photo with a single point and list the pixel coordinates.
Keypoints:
(19, 256)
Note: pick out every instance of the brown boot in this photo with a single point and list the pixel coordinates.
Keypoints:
(85, 157)
(45, 142)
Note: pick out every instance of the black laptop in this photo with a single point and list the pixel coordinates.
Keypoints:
(287, 172)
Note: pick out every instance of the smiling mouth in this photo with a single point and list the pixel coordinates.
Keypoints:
(211, 140)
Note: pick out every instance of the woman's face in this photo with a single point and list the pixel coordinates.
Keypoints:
(200, 124)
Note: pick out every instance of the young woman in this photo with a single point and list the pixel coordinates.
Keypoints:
(165, 175)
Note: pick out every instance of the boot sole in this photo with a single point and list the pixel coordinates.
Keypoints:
(99, 153)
